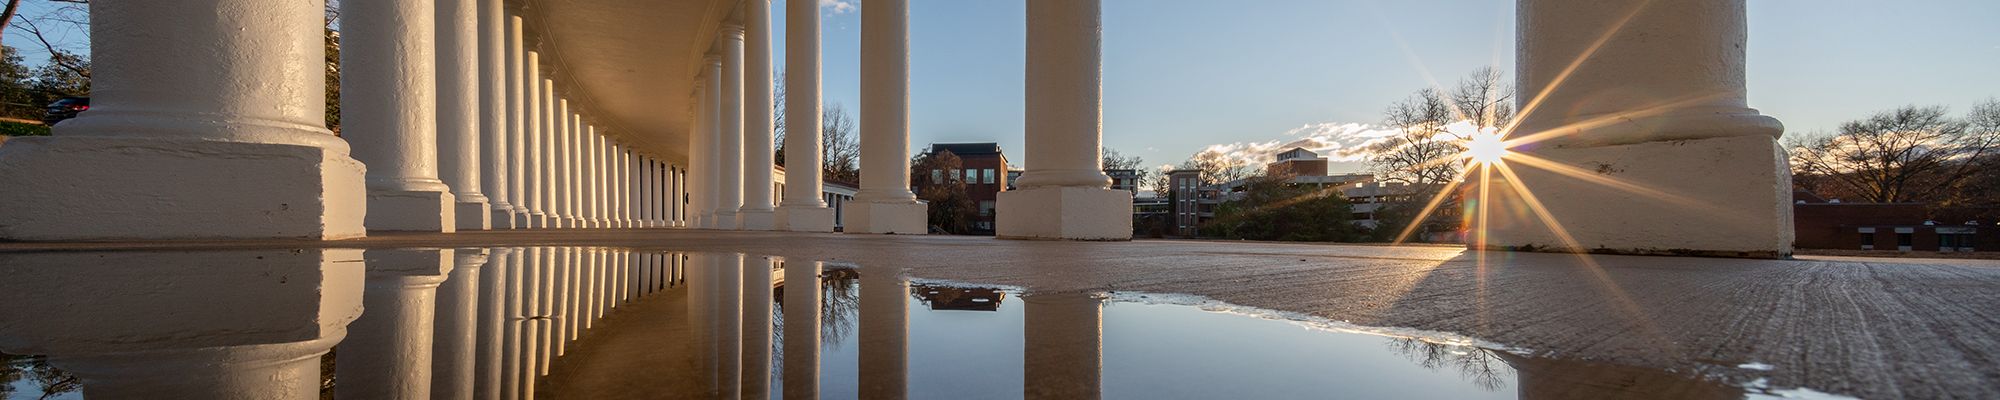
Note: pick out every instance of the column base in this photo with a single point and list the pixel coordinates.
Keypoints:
(727, 221)
(1672, 201)
(899, 218)
(474, 216)
(805, 219)
(503, 219)
(423, 211)
(102, 188)
(1064, 213)
(757, 220)
(534, 220)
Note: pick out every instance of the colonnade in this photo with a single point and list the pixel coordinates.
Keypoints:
(208, 122)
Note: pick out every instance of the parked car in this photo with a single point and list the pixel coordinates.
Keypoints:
(65, 108)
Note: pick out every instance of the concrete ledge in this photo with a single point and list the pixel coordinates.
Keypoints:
(805, 219)
(418, 211)
(1728, 197)
(92, 188)
(887, 218)
(1066, 213)
(503, 219)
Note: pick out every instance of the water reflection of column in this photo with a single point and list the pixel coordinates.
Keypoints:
(561, 304)
(169, 336)
(387, 354)
(1064, 346)
(756, 327)
(884, 335)
(545, 309)
(729, 323)
(700, 311)
(457, 327)
(801, 369)
(592, 272)
(493, 294)
(513, 358)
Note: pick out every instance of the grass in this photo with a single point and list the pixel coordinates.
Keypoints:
(17, 127)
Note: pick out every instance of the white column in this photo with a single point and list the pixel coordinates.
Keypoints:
(534, 161)
(802, 320)
(757, 212)
(646, 188)
(730, 124)
(1580, 66)
(709, 185)
(886, 204)
(453, 365)
(591, 191)
(458, 110)
(621, 185)
(802, 210)
(1064, 194)
(192, 133)
(519, 107)
(546, 125)
(387, 353)
(388, 64)
(496, 160)
(565, 133)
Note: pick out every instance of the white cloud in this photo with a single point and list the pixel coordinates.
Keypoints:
(1334, 140)
(839, 6)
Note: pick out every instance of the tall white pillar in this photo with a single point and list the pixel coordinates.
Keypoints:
(495, 165)
(1063, 345)
(590, 190)
(191, 133)
(534, 161)
(1064, 194)
(885, 202)
(458, 111)
(757, 213)
(519, 108)
(388, 64)
(545, 123)
(387, 354)
(453, 365)
(730, 124)
(802, 325)
(621, 185)
(802, 210)
(646, 188)
(563, 126)
(709, 185)
(1690, 133)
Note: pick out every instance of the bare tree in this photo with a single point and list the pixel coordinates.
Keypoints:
(841, 152)
(1909, 154)
(1425, 150)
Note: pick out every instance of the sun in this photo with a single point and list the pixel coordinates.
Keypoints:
(1485, 148)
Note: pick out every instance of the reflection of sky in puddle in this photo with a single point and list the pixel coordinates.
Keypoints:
(962, 341)
(1161, 351)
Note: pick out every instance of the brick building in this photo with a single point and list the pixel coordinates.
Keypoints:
(1894, 227)
(984, 170)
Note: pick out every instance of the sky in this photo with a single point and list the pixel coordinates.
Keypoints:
(1251, 76)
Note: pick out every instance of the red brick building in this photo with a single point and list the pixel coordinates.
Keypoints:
(984, 170)
(1894, 227)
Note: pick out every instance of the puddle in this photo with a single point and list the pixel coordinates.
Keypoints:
(570, 322)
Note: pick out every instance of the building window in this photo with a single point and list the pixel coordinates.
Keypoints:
(937, 176)
(1868, 240)
(986, 176)
(986, 208)
(1903, 239)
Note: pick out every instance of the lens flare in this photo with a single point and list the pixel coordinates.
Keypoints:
(1486, 148)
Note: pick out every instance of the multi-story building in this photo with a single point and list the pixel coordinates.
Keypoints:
(1193, 203)
(983, 168)
(1297, 161)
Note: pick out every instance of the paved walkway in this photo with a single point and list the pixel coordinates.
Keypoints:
(1876, 328)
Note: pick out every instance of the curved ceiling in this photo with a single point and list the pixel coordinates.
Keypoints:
(627, 66)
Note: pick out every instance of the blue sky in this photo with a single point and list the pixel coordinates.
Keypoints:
(1183, 75)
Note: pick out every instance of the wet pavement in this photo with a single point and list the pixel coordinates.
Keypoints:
(1876, 328)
